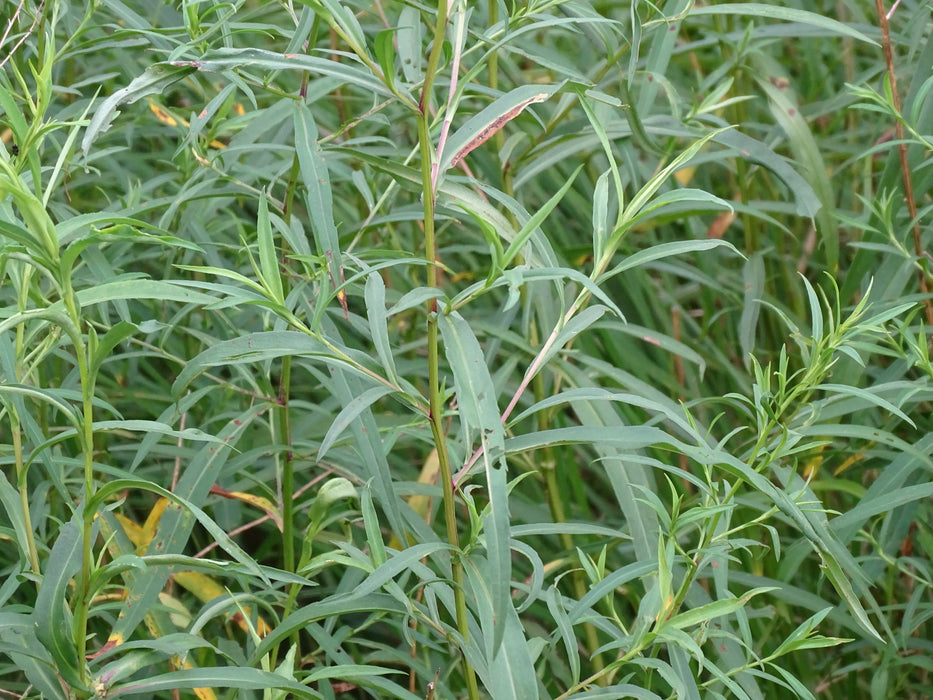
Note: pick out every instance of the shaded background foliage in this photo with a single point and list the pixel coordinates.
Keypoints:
(217, 219)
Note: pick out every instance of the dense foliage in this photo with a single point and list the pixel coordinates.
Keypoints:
(555, 349)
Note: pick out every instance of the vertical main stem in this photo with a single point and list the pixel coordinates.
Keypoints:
(435, 399)
(87, 380)
(288, 469)
(288, 491)
(83, 602)
(23, 487)
(22, 481)
(284, 423)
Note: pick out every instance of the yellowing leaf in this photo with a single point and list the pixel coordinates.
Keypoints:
(206, 589)
(133, 531)
(177, 612)
(202, 693)
(420, 503)
(430, 472)
(685, 175)
(162, 115)
(115, 640)
(152, 522)
(205, 694)
(263, 504)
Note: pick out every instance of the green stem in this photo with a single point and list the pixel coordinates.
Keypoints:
(284, 424)
(559, 515)
(436, 411)
(288, 470)
(82, 605)
(22, 482)
(288, 492)
(555, 496)
(23, 486)
(87, 557)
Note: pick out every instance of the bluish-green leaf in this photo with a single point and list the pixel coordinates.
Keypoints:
(349, 414)
(376, 315)
(485, 123)
(220, 677)
(230, 59)
(155, 80)
(200, 473)
(477, 399)
(511, 671)
(18, 641)
(52, 615)
(268, 259)
(787, 14)
(320, 199)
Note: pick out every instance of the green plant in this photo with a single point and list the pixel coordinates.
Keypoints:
(512, 350)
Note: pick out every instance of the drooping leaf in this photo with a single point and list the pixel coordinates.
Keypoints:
(787, 14)
(484, 124)
(155, 80)
(219, 677)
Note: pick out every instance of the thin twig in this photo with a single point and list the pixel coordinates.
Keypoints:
(902, 152)
(25, 36)
(264, 518)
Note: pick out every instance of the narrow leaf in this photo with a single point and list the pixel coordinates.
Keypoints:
(319, 196)
(155, 80)
(225, 59)
(476, 396)
(268, 259)
(788, 14)
(517, 243)
(376, 315)
(52, 615)
(483, 126)
(18, 641)
(349, 414)
(711, 611)
(221, 677)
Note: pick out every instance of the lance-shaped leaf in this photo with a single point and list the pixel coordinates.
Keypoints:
(154, 80)
(218, 677)
(18, 641)
(476, 397)
(483, 126)
(268, 259)
(320, 199)
(176, 523)
(225, 59)
(52, 616)
(787, 14)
